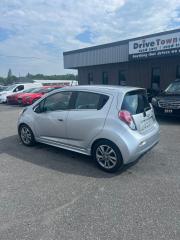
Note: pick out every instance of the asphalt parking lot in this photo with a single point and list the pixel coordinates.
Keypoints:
(48, 193)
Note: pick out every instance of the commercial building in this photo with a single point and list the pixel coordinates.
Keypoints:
(151, 61)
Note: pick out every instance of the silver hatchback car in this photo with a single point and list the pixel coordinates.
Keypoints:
(115, 125)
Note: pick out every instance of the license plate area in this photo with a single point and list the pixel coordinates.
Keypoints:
(146, 124)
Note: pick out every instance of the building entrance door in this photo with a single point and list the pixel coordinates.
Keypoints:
(155, 80)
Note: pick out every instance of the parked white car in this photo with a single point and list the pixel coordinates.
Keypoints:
(115, 125)
(16, 88)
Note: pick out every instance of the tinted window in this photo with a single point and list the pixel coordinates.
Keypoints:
(19, 88)
(86, 100)
(42, 90)
(46, 90)
(58, 101)
(135, 102)
(29, 90)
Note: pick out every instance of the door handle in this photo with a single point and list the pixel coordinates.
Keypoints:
(60, 120)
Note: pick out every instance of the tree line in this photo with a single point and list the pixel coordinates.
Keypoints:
(10, 79)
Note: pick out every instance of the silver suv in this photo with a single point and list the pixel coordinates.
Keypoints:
(115, 125)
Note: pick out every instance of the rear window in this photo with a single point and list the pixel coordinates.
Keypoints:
(135, 102)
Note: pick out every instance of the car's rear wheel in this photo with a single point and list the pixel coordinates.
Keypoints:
(107, 156)
(26, 135)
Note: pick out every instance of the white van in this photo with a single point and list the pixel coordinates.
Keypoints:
(16, 88)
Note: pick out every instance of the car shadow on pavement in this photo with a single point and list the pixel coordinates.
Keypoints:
(53, 158)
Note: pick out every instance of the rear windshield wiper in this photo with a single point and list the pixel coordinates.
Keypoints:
(147, 108)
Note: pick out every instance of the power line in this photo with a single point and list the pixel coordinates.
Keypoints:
(23, 57)
(53, 60)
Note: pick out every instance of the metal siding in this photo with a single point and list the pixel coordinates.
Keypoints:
(113, 54)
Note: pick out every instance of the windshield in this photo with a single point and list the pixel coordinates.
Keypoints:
(2, 89)
(42, 90)
(9, 88)
(173, 88)
(29, 90)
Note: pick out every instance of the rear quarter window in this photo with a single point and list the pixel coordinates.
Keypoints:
(135, 102)
(88, 100)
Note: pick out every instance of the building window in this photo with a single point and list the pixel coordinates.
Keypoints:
(122, 77)
(178, 71)
(105, 78)
(155, 79)
(90, 78)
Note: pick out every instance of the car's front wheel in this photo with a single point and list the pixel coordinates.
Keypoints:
(26, 135)
(107, 156)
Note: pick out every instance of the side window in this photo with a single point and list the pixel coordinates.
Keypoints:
(87, 100)
(57, 101)
(19, 88)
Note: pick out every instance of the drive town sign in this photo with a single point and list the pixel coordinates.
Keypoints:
(168, 44)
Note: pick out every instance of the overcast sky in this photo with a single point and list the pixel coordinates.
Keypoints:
(34, 33)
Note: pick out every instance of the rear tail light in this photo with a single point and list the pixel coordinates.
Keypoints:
(127, 118)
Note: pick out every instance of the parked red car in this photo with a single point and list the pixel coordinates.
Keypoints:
(30, 98)
(13, 99)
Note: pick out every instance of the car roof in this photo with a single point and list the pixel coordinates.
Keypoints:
(102, 88)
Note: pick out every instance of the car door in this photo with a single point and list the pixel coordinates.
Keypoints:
(50, 123)
(87, 118)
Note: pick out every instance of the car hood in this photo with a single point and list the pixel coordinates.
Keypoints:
(24, 94)
(168, 96)
(32, 95)
(5, 92)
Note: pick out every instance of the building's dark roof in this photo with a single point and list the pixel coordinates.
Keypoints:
(120, 42)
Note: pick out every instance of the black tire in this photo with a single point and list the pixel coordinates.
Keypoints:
(26, 135)
(112, 160)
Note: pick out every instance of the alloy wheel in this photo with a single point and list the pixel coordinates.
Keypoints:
(26, 135)
(106, 156)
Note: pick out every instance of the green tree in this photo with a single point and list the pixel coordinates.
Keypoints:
(9, 74)
(9, 77)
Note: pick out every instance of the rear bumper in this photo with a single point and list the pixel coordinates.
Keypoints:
(142, 144)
